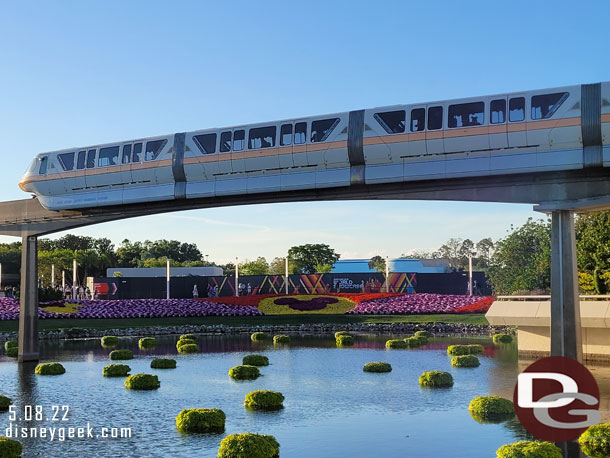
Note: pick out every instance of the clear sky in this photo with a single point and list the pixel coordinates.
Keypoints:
(79, 73)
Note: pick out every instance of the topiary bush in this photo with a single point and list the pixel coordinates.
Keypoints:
(5, 402)
(146, 343)
(413, 342)
(344, 340)
(476, 349)
(465, 361)
(244, 372)
(142, 382)
(182, 342)
(12, 352)
(255, 360)
(377, 367)
(529, 449)
(188, 336)
(502, 338)
(426, 334)
(110, 341)
(281, 339)
(258, 336)
(249, 445)
(595, 441)
(342, 333)
(396, 343)
(50, 369)
(10, 448)
(163, 363)
(10, 344)
(201, 421)
(436, 379)
(116, 370)
(116, 355)
(491, 409)
(458, 350)
(188, 348)
(264, 400)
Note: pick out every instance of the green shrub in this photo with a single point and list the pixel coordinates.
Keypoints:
(264, 400)
(201, 421)
(188, 348)
(10, 344)
(502, 338)
(413, 342)
(344, 340)
(595, 441)
(110, 341)
(121, 355)
(10, 448)
(342, 333)
(475, 349)
(188, 336)
(491, 409)
(377, 367)
(50, 369)
(281, 339)
(396, 343)
(527, 449)
(465, 361)
(458, 350)
(116, 370)
(249, 445)
(255, 360)
(4, 403)
(12, 352)
(426, 334)
(142, 382)
(258, 336)
(182, 342)
(147, 342)
(436, 379)
(163, 363)
(244, 372)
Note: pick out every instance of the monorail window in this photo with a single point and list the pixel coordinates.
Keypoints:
(137, 152)
(126, 158)
(44, 162)
(418, 119)
(239, 140)
(393, 122)
(300, 133)
(90, 158)
(261, 137)
(206, 143)
(466, 114)
(497, 111)
(80, 163)
(320, 130)
(108, 156)
(435, 118)
(286, 135)
(225, 142)
(544, 106)
(516, 109)
(153, 149)
(67, 161)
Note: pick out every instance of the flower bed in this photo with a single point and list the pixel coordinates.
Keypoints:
(413, 304)
(305, 304)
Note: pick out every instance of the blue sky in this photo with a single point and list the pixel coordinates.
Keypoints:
(79, 73)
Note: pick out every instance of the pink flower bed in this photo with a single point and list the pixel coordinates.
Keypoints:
(133, 308)
(413, 304)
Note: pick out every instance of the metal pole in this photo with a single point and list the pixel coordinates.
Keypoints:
(236, 277)
(387, 274)
(74, 281)
(470, 275)
(0, 275)
(52, 275)
(167, 277)
(28, 300)
(286, 279)
(63, 280)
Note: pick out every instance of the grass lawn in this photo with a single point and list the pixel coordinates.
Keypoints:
(247, 320)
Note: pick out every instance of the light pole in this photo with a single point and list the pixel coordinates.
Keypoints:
(236, 277)
(0, 275)
(52, 275)
(74, 281)
(167, 277)
(387, 274)
(470, 275)
(286, 279)
(63, 280)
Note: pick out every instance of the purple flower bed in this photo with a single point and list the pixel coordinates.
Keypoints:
(133, 308)
(413, 304)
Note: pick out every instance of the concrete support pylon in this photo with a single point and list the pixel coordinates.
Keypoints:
(28, 300)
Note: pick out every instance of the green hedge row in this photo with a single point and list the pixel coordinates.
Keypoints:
(142, 382)
(201, 421)
(264, 400)
(50, 369)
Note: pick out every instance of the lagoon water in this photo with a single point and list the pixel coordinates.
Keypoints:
(332, 409)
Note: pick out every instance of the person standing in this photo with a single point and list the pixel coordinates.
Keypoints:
(249, 289)
(195, 292)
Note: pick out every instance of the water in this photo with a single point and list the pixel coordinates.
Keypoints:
(332, 409)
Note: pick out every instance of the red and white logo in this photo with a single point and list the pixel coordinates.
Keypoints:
(556, 399)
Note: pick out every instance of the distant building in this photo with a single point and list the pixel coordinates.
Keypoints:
(428, 266)
(151, 272)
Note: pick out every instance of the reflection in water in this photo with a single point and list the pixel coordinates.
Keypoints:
(332, 409)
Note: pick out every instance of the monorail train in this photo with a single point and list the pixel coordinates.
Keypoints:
(545, 130)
